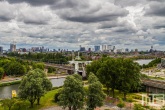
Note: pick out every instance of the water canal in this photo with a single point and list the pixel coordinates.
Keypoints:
(5, 92)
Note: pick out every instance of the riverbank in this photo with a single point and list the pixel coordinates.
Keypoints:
(17, 80)
(10, 83)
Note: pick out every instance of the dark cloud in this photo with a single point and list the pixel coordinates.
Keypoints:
(90, 18)
(156, 9)
(157, 0)
(5, 18)
(125, 3)
(111, 24)
(63, 4)
(159, 26)
(92, 14)
(34, 2)
(124, 30)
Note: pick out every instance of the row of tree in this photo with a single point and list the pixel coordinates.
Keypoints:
(117, 73)
(13, 66)
(57, 58)
(74, 96)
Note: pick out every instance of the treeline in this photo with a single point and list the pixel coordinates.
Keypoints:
(57, 58)
(152, 63)
(17, 67)
(117, 73)
(143, 57)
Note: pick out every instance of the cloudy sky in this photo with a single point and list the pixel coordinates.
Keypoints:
(70, 23)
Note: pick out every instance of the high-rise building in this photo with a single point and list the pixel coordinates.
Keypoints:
(126, 50)
(1, 50)
(12, 47)
(109, 48)
(97, 48)
(104, 47)
(82, 49)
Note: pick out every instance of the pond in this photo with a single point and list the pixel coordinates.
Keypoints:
(143, 61)
(5, 92)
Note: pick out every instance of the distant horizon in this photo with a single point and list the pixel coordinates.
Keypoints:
(76, 49)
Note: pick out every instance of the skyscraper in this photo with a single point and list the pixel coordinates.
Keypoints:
(1, 50)
(97, 48)
(12, 47)
(104, 47)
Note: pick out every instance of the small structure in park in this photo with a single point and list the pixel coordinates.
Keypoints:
(14, 93)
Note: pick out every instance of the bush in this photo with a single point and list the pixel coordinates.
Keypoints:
(1, 72)
(138, 107)
(56, 95)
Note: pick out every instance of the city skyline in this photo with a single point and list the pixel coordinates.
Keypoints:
(69, 23)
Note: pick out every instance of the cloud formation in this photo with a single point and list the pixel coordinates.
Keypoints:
(70, 23)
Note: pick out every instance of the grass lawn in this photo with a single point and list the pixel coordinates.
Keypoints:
(46, 101)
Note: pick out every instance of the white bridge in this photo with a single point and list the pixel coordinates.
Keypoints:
(79, 66)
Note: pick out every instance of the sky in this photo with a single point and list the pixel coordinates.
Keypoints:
(66, 24)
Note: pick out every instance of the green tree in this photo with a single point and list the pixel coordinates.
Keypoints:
(39, 65)
(1, 72)
(108, 74)
(34, 85)
(129, 76)
(15, 68)
(72, 94)
(19, 104)
(8, 103)
(95, 94)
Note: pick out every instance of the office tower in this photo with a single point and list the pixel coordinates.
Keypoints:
(109, 48)
(12, 47)
(82, 49)
(104, 47)
(97, 48)
(1, 50)
(126, 50)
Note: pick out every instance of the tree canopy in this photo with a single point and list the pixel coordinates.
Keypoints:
(95, 94)
(34, 85)
(72, 94)
(117, 73)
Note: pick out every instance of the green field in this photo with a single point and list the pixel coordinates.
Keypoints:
(46, 101)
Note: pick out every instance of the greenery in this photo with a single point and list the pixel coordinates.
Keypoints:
(138, 107)
(163, 108)
(51, 69)
(9, 83)
(117, 73)
(1, 72)
(72, 94)
(56, 96)
(46, 101)
(17, 67)
(8, 103)
(57, 58)
(152, 63)
(34, 85)
(95, 94)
